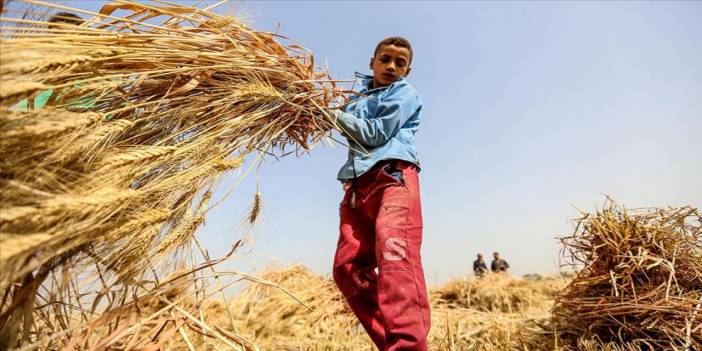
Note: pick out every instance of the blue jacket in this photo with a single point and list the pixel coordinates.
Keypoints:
(380, 125)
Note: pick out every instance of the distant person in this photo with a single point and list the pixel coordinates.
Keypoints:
(498, 265)
(43, 97)
(479, 267)
(64, 17)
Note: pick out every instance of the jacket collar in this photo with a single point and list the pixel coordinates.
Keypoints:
(367, 82)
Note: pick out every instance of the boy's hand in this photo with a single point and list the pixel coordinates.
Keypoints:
(334, 112)
(331, 115)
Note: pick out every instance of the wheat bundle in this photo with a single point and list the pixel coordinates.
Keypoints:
(149, 104)
(640, 278)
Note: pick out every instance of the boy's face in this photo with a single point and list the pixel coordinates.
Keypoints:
(390, 64)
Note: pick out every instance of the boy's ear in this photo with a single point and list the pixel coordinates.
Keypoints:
(409, 69)
(370, 65)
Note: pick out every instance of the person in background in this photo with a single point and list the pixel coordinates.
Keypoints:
(64, 17)
(498, 265)
(479, 267)
(42, 98)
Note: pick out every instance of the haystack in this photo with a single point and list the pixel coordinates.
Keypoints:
(639, 280)
(150, 103)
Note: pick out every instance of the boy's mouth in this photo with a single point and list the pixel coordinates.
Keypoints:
(389, 76)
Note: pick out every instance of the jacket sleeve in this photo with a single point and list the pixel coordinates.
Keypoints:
(391, 114)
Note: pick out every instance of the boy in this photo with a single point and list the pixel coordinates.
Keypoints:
(65, 18)
(381, 216)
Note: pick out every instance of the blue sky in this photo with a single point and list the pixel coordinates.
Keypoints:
(531, 110)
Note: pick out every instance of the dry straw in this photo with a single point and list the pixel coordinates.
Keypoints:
(640, 278)
(274, 321)
(149, 104)
(499, 293)
(495, 313)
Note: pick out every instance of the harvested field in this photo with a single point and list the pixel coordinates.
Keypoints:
(273, 320)
(637, 286)
(499, 312)
(150, 106)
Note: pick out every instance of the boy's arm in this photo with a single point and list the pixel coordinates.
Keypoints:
(391, 114)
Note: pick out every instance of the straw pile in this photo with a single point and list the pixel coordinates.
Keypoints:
(640, 279)
(150, 104)
(498, 293)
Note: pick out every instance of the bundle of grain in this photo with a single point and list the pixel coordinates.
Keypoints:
(148, 105)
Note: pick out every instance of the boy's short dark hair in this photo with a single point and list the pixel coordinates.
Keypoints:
(397, 41)
(66, 17)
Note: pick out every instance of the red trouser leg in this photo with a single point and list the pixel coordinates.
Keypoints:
(354, 270)
(387, 220)
(402, 292)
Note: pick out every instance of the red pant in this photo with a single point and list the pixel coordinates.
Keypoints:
(381, 227)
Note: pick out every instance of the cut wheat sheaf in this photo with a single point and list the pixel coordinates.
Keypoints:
(150, 103)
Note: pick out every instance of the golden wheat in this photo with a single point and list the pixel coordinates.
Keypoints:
(112, 177)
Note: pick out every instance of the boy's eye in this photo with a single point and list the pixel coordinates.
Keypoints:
(401, 63)
(384, 59)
